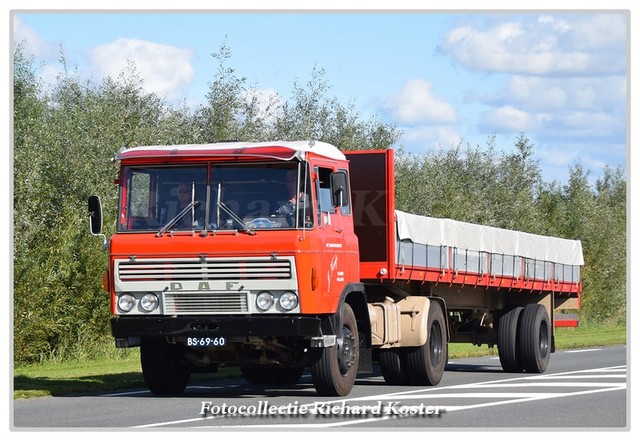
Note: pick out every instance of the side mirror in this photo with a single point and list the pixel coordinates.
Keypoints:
(95, 215)
(339, 189)
(95, 219)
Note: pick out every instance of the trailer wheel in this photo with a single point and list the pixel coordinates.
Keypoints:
(508, 340)
(392, 363)
(334, 369)
(163, 367)
(534, 338)
(426, 363)
(272, 374)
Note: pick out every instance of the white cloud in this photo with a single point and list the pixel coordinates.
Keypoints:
(165, 70)
(602, 32)
(571, 45)
(33, 43)
(563, 82)
(429, 136)
(563, 155)
(588, 124)
(507, 119)
(416, 104)
(559, 125)
(557, 157)
(536, 93)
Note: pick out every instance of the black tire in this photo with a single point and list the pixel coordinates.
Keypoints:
(164, 369)
(272, 374)
(508, 340)
(534, 339)
(426, 363)
(392, 363)
(334, 369)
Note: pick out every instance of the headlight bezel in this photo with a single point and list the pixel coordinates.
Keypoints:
(288, 301)
(149, 302)
(130, 302)
(265, 301)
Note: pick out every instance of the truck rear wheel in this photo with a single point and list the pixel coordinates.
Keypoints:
(426, 363)
(334, 369)
(163, 367)
(534, 338)
(508, 340)
(392, 363)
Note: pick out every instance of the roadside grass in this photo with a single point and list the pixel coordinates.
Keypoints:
(122, 371)
(88, 376)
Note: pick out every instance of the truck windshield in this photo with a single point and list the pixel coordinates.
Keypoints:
(245, 197)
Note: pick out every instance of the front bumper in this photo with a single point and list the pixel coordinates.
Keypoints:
(214, 326)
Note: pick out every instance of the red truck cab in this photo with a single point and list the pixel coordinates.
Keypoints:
(237, 254)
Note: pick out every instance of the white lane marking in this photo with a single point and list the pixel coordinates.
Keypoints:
(542, 384)
(428, 393)
(124, 394)
(594, 375)
(576, 351)
(499, 403)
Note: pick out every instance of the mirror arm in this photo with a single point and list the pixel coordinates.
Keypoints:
(105, 243)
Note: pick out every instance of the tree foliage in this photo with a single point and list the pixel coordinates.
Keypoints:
(66, 135)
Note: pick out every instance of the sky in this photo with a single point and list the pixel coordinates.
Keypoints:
(444, 78)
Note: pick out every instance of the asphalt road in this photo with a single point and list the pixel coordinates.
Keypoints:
(581, 389)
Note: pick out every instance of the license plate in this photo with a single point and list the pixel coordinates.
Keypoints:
(201, 342)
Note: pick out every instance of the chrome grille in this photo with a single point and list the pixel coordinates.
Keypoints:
(204, 303)
(195, 269)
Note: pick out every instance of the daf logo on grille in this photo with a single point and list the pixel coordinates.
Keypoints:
(204, 286)
(232, 285)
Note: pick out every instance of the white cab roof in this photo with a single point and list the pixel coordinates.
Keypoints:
(298, 149)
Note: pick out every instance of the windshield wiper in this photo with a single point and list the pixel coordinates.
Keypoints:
(178, 217)
(236, 218)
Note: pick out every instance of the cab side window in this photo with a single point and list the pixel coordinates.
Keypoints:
(333, 191)
(324, 190)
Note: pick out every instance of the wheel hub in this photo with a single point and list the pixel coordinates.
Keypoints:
(435, 343)
(346, 351)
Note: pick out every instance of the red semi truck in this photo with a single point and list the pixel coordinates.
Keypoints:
(280, 256)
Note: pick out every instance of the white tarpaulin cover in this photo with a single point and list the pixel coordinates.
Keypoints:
(462, 235)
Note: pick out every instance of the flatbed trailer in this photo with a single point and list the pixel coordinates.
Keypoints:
(482, 276)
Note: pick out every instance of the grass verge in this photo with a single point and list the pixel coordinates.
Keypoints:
(110, 374)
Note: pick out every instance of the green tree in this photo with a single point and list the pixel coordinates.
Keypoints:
(63, 145)
(218, 120)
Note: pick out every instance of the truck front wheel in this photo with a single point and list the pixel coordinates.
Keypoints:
(334, 368)
(163, 367)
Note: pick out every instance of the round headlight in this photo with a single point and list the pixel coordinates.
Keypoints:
(264, 300)
(126, 302)
(288, 301)
(149, 302)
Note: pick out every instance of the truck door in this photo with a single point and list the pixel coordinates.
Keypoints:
(372, 190)
(338, 244)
